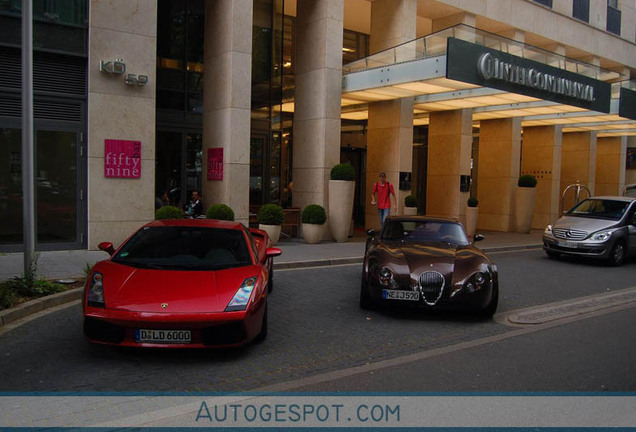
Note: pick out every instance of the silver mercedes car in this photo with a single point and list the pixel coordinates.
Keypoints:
(598, 227)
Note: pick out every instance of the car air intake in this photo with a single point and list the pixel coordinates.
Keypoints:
(431, 286)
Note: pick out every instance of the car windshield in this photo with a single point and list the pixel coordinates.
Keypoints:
(185, 248)
(600, 209)
(424, 231)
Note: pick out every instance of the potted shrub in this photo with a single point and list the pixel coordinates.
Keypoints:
(169, 212)
(341, 193)
(471, 216)
(313, 220)
(410, 205)
(270, 217)
(220, 212)
(525, 196)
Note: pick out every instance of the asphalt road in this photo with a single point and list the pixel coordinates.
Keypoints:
(320, 340)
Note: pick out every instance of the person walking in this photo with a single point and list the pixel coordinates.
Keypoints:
(381, 195)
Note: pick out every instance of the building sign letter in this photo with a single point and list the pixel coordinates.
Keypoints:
(122, 159)
(215, 163)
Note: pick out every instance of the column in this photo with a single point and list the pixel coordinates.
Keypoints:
(450, 139)
(125, 30)
(610, 165)
(498, 163)
(227, 102)
(578, 164)
(541, 157)
(317, 101)
(390, 127)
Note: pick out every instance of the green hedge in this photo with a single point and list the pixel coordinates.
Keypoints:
(169, 212)
(271, 214)
(220, 212)
(527, 180)
(343, 171)
(314, 214)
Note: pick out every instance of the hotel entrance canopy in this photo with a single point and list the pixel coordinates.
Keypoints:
(462, 67)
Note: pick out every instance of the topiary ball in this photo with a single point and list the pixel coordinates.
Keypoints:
(271, 214)
(343, 171)
(527, 180)
(169, 212)
(220, 212)
(410, 201)
(472, 202)
(314, 214)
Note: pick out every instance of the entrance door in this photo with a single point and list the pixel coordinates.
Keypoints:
(59, 194)
(178, 165)
(265, 169)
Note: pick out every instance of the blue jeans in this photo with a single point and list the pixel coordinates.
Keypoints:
(383, 214)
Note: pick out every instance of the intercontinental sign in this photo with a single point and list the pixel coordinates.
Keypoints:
(486, 67)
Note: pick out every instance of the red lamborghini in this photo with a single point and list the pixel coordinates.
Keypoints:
(182, 283)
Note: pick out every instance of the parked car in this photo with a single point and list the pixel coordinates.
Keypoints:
(427, 263)
(599, 227)
(181, 283)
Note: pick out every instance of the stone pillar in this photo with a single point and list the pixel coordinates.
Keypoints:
(317, 102)
(610, 165)
(126, 30)
(499, 156)
(578, 163)
(390, 127)
(227, 101)
(450, 138)
(541, 157)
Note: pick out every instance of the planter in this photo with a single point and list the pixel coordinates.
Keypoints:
(524, 207)
(273, 231)
(341, 193)
(313, 232)
(410, 211)
(471, 220)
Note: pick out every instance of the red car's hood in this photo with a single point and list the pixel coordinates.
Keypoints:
(144, 290)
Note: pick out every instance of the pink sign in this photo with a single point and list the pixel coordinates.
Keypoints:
(122, 158)
(215, 163)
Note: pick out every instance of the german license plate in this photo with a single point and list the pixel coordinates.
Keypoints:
(400, 295)
(567, 244)
(163, 336)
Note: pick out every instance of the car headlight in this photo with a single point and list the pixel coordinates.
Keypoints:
(548, 230)
(95, 294)
(387, 278)
(601, 235)
(242, 297)
(476, 282)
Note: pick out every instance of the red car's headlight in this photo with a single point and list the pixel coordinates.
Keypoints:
(242, 297)
(95, 294)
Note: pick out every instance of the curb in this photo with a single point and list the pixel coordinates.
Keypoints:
(31, 307)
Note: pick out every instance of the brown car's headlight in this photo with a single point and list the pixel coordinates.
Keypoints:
(387, 278)
(477, 281)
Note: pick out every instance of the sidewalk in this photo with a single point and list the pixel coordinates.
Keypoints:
(296, 253)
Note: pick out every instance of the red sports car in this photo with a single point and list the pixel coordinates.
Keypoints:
(182, 283)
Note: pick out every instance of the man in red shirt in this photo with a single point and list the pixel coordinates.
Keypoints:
(381, 195)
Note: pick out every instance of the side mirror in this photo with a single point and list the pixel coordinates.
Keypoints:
(107, 247)
(273, 252)
(372, 232)
(477, 237)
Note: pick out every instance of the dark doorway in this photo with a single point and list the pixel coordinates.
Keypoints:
(357, 157)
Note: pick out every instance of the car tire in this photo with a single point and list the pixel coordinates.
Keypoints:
(617, 254)
(263, 333)
(366, 302)
(552, 255)
(491, 307)
(270, 279)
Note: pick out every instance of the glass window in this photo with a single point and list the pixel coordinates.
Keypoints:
(10, 186)
(168, 167)
(581, 10)
(613, 18)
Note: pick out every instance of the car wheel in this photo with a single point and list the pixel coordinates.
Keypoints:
(263, 334)
(552, 255)
(270, 279)
(491, 307)
(617, 254)
(366, 302)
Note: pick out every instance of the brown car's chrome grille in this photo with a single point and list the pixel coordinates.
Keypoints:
(431, 285)
(569, 234)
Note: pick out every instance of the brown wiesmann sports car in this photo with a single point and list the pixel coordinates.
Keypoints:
(428, 263)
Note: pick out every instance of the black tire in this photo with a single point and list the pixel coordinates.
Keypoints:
(491, 307)
(552, 255)
(617, 254)
(270, 279)
(263, 334)
(366, 302)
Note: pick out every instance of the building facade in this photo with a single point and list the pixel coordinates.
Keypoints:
(139, 102)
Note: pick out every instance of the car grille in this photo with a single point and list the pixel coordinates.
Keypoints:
(431, 286)
(569, 234)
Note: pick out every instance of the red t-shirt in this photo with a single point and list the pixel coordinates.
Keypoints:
(384, 192)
